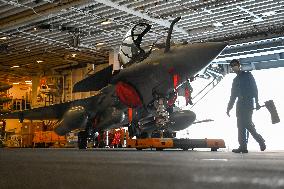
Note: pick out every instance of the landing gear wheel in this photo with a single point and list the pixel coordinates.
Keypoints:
(168, 134)
(143, 135)
(156, 134)
(214, 149)
(159, 149)
(82, 140)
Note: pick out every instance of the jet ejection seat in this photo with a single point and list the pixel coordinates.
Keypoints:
(131, 51)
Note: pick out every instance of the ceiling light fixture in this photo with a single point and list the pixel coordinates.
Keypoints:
(100, 44)
(74, 55)
(16, 83)
(28, 81)
(236, 22)
(106, 22)
(15, 66)
(4, 38)
(217, 24)
(214, 65)
(39, 61)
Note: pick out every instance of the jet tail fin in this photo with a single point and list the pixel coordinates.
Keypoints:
(94, 82)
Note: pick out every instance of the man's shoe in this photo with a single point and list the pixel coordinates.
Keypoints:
(240, 150)
(262, 146)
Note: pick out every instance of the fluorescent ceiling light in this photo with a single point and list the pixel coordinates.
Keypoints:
(39, 61)
(106, 22)
(15, 66)
(217, 24)
(16, 83)
(28, 81)
(100, 44)
(236, 22)
(74, 55)
(4, 38)
(214, 65)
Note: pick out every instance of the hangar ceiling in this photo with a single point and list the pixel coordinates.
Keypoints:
(39, 35)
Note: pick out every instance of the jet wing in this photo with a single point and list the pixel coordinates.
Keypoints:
(56, 111)
(94, 82)
(48, 112)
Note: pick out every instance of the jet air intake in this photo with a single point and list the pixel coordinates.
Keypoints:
(75, 118)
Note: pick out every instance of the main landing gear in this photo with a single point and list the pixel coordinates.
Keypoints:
(82, 140)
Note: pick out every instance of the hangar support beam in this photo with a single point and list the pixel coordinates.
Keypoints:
(263, 65)
(160, 22)
(38, 13)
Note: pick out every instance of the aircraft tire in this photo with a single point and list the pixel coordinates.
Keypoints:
(168, 134)
(159, 149)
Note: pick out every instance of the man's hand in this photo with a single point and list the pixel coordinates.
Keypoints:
(228, 113)
(257, 106)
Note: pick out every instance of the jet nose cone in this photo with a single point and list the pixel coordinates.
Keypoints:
(194, 57)
(209, 50)
(215, 48)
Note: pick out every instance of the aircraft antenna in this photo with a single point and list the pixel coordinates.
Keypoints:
(168, 41)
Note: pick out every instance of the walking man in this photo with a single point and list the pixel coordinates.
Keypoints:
(244, 88)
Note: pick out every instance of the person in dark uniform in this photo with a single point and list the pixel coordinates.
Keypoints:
(244, 88)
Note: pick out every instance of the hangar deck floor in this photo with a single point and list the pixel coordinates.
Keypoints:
(71, 168)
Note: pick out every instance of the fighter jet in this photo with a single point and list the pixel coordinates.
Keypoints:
(140, 96)
(4, 86)
(4, 99)
(3, 96)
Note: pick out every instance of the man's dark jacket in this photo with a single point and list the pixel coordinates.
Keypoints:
(244, 88)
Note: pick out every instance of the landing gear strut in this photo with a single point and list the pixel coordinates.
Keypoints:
(86, 136)
(82, 140)
(162, 118)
